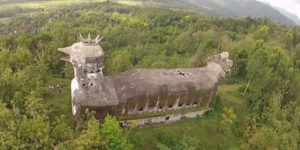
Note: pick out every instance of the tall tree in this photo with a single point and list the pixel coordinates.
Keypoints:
(113, 135)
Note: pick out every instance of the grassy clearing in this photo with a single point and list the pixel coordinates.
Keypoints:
(5, 20)
(44, 4)
(60, 98)
(16, 9)
(130, 3)
(204, 129)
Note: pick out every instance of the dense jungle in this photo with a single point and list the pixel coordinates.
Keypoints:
(257, 105)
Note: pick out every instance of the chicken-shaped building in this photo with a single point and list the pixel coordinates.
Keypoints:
(160, 94)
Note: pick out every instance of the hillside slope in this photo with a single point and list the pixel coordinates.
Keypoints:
(289, 15)
(230, 8)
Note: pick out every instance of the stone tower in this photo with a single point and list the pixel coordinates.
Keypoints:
(87, 58)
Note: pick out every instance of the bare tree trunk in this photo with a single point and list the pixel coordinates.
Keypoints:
(246, 87)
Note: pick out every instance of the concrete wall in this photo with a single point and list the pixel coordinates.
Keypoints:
(163, 119)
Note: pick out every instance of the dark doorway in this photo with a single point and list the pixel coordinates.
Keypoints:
(168, 117)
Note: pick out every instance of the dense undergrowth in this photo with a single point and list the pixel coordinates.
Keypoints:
(263, 115)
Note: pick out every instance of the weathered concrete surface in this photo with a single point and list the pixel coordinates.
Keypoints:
(139, 90)
(150, 88)
(163, 119)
